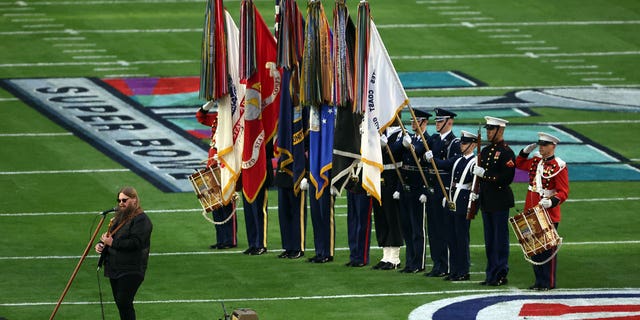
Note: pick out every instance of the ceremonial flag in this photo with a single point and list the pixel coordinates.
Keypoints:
(214, 65)
(316, 89)
(291, 129)
(380, 96)
(346, 145)
(220, 81)
(262, 97)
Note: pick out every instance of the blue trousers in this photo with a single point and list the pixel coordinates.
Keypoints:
(546, 273)
(255, 216)
(412, 216)
(292, 216)
(359, 209)
(226, 233)
(496, 244)
(324, 229)
(437, 226)
(458, 235)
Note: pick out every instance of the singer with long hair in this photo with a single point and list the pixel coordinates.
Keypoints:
(124, 250)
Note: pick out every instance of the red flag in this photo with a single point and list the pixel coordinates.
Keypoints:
(262, 99)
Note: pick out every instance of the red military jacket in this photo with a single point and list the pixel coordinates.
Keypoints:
(547, 177)
(210, 120)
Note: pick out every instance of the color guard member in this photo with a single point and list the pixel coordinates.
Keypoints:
(496, 172)
(548, 187)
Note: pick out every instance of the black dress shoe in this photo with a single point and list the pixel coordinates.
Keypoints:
(284, 254)
(447, 278)
(249, 250)
(500, 282)
(226, 246)
(379, 265)
(358, 264)
(436, 274)
(349, 264)
(415, 270)
(484, 283)
(390, 266)
(465, 277)
(322, 260)
(258, 251)
(214, 246)
(295, 254)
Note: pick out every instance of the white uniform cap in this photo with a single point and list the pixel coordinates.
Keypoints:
(493, 121)
(467, 136)
(547, 137)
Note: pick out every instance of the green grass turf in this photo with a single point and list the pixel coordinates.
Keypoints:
(186, 279)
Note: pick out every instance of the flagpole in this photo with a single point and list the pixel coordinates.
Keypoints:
(433, 163)
(413, 153)
(393, 160)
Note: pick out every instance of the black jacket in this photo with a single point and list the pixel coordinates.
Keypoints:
(129, 252)
(495, 187)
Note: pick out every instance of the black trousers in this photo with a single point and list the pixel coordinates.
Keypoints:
(124, 290)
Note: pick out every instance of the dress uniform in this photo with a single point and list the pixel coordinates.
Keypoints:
(496, 170)
(387, 213)
(292, 216)
(412, 209)
(359, 209)
(548, 187)
(227, 232)
(445, 149)
(458, 225)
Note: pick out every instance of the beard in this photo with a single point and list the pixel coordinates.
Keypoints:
(125, 212)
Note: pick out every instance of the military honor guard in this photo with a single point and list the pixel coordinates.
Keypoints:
(444, 150)
(387, 213)
(496, 171)
(412, 195)
(224, 218)
(292, 216)
(548, 187)
(458, 225)
(359, 210)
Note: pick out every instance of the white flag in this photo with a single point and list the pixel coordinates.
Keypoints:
(385, 98)
(229, 136)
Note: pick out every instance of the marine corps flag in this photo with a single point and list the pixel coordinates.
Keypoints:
(262, 97)
(220, 81)
(316, 90)
(379, 95)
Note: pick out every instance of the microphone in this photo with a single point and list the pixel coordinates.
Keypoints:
(108, 210)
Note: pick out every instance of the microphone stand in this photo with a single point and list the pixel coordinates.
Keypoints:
(75, 271)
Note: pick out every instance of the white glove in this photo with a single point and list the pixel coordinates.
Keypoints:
(334, 191)
(423, 198)
(444, 202)
(473, 196)
(545, 203)
(383, 141)
(529, 148)
(396, 195)
(478, 171)
(207, 106)
(406, 141)
(428, 155)
(304, 184)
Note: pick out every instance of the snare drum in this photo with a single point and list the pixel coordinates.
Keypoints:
(535, 232)
(206, 184)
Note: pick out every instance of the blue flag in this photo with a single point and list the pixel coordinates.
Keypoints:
(321, 127)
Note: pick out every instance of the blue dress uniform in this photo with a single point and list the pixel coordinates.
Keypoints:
(226, 226)
(412, 211)
(496, 198)
(458, 232)
(359, 208)
(387, 213)
(446, 149)
(292, 216)
(324, 228)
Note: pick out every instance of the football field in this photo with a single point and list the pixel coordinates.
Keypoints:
(565, 67)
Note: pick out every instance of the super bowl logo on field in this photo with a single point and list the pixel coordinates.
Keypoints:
(561, 304)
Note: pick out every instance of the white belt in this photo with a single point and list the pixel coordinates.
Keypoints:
(461, 186)
(392, 165)
(544, 192)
